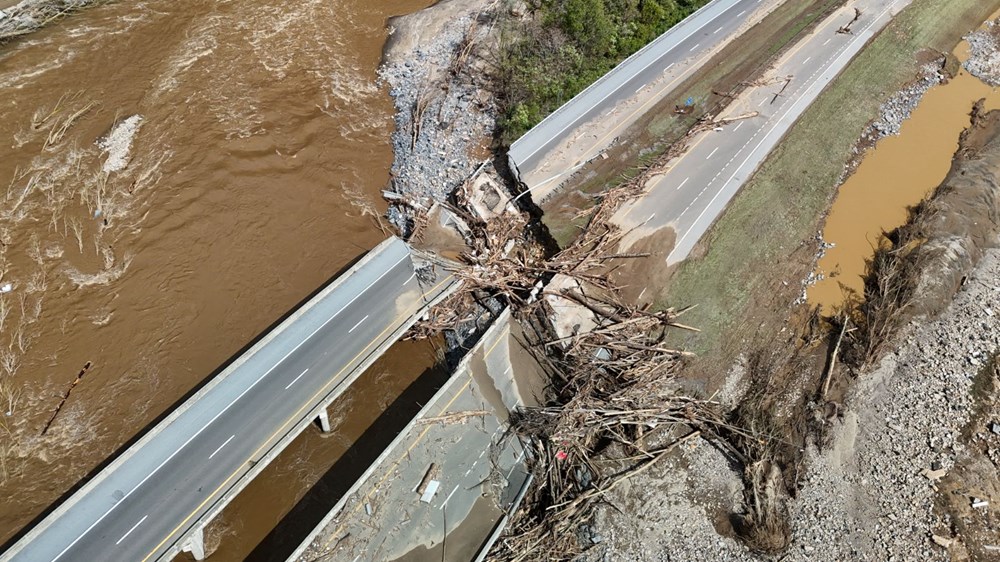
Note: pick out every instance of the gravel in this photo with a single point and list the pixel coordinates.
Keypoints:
(863, 496)
(669, 514)
(984, 54)
(458, 119)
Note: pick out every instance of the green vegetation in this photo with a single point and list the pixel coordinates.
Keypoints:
(565, 45)
(748, 248)
(660, 127)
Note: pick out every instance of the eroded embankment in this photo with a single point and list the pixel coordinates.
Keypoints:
(865, 488)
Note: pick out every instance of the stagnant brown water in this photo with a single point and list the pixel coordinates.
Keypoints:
(249, 139)
(897, 174)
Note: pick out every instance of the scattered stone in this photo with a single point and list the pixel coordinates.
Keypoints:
(942, 541)
(860, 497)
(933, 475)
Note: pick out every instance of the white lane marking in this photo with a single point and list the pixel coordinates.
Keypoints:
(806, 61)
(651, 216)
(484, 450)
(805, 85)
(359, 323)
(216, 416)
(668, 67)
(445, 504)
(517, 460)
(738, 125)
(636, 73)
(762, 102)
(370, 285)
(639, 89)
(132, 529)
(827, 42)
(296, 379)
(410, 278)
(683, 182)
(711, 154)
(696, 45)
(221, 446)
(741, 13)
(356, 558)
(717, 30)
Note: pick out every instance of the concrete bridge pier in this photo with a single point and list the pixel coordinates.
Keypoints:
(196, 544)
(324, 421)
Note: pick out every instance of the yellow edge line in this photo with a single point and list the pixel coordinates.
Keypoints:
(284, 425)
(406, 453)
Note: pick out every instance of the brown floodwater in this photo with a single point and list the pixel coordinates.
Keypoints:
(895, 175)
(176, 175)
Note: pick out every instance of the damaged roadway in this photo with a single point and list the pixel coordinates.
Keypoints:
(698, 186)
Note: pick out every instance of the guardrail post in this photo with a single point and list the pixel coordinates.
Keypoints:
(196, 544)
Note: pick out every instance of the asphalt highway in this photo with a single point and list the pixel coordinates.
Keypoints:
(555, 148)
(698, 186)
(141, 506)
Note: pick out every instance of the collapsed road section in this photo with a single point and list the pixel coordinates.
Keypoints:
(444, 487)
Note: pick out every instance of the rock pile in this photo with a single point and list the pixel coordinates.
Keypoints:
(29, 15)
(984, 54)
(441, 121)
(900, 106)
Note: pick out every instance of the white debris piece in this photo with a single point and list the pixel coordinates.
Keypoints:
(432, 488)
(118, 143)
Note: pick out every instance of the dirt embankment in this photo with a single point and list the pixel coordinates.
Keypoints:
(962, 219)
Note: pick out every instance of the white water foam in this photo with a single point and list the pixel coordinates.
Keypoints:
(118, 144)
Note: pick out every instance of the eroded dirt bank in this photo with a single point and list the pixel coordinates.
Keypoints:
(908, 457)
(178, 175)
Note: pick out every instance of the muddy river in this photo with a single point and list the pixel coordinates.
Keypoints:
(176, 175)
(894, 176)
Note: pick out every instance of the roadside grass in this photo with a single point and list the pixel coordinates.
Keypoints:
(744, 255)
(740, 61)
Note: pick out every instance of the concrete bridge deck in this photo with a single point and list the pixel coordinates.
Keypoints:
(443, 488)
(154, 500)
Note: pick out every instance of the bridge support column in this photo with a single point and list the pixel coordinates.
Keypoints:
(196, 544)
(324, 421)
